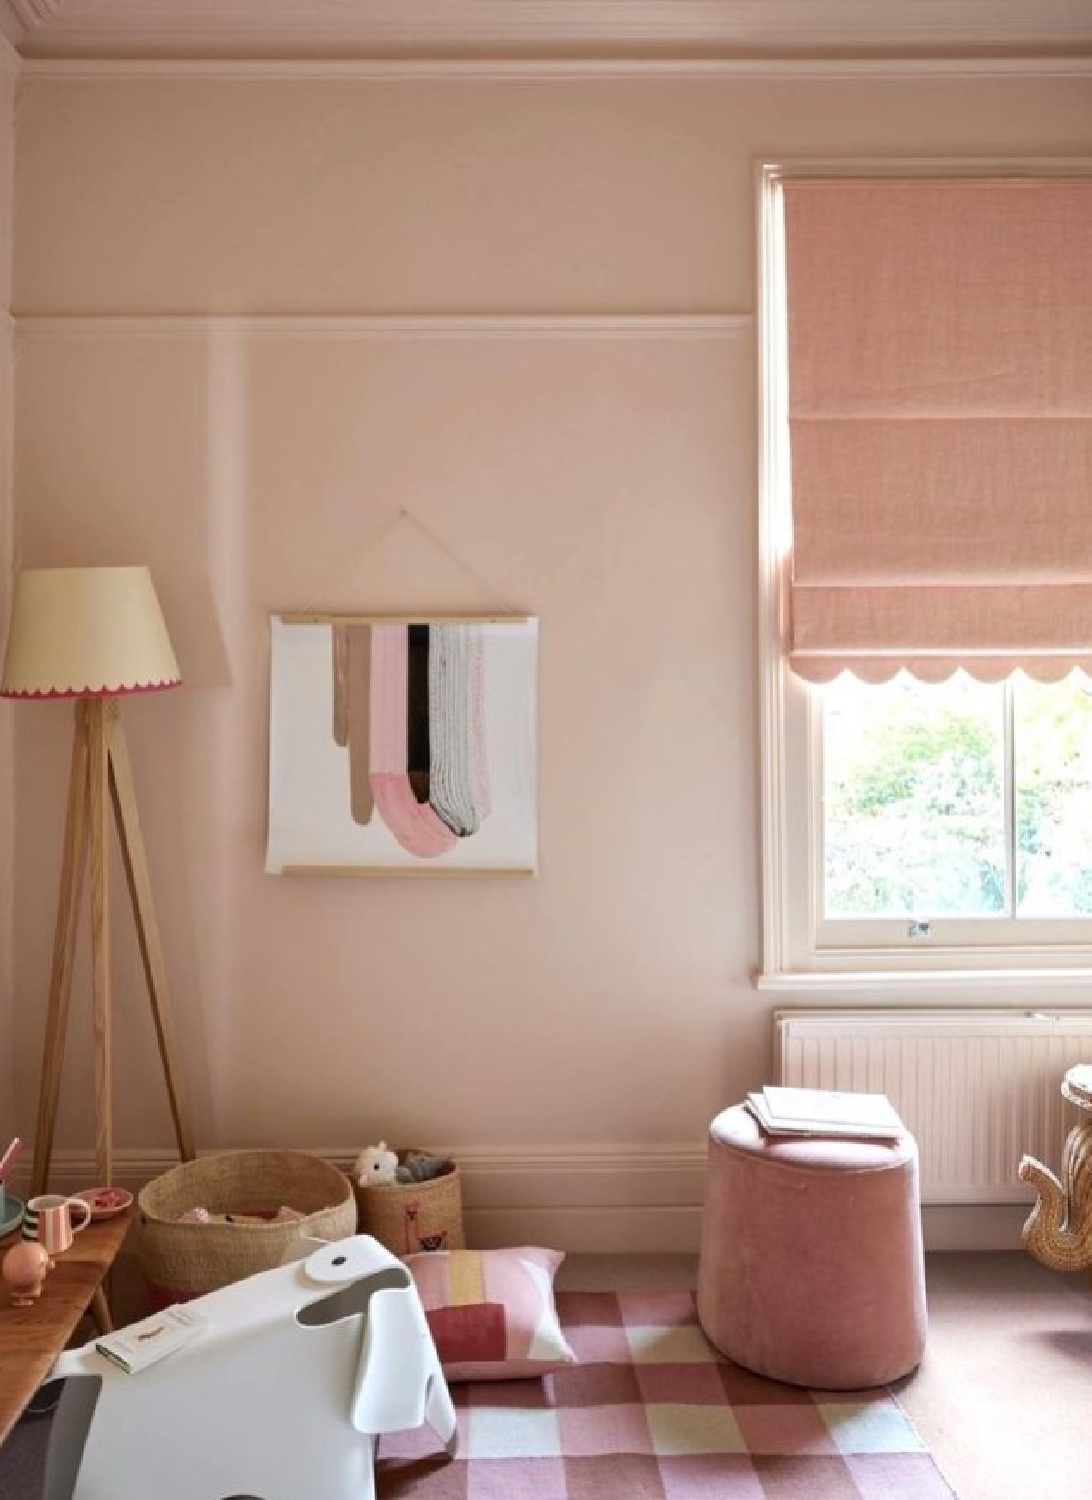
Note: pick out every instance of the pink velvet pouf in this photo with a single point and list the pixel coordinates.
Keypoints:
(811, 1266)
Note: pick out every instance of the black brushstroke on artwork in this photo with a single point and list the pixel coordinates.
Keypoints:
(417, 733)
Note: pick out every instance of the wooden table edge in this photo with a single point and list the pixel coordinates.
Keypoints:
(31, 1338)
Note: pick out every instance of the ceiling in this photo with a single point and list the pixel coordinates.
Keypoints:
(346, 29)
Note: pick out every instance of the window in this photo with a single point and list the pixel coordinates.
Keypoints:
(960, 802)
(927, 569)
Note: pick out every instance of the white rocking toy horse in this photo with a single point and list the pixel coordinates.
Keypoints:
(282, 1395)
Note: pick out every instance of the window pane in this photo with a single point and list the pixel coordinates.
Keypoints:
(1052, 750)
(913, 797)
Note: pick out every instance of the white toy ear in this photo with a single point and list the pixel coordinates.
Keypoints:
(347, 1260)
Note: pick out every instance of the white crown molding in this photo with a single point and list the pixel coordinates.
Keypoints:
(534, 70)
(538, 27)
(38, 327)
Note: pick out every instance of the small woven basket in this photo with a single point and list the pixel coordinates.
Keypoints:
(406, 1217)
(180, 1261)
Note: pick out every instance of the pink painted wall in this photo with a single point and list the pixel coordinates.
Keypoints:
(606, 484)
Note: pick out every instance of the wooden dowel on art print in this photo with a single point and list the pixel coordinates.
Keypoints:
(412, 872)
(325, 617)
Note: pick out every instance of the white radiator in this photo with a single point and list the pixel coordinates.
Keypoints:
(977, 1088)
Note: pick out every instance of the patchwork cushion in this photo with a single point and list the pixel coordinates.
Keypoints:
(492, 1312)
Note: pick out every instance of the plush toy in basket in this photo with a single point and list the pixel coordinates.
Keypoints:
(381, 1164)
(409, 1200)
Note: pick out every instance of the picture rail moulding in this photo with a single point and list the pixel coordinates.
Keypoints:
(1028, 64)
(135, 325)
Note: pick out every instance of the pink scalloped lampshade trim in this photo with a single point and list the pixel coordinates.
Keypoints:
(89, 692)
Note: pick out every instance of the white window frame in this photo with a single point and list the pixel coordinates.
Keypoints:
(799, 950)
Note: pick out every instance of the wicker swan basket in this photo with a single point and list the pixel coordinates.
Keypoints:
(407, 1217)
(180, 1261)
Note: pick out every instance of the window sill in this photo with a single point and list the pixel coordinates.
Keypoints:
(1029, 982)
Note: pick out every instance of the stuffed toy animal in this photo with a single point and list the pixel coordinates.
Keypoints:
(375, 1164)
(421, 1166)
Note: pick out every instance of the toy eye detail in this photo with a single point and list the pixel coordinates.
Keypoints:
(339, 1260)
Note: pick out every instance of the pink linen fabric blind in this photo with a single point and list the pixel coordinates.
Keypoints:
(940, 422)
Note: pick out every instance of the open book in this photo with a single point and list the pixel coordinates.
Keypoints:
(152, 1339)
(789, 1111)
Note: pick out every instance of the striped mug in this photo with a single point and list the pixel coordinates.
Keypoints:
(48, 1219)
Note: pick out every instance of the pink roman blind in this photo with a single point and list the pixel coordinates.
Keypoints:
(940, 418)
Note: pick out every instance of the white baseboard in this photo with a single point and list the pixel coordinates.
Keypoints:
(613, 1199)
(973, 1226)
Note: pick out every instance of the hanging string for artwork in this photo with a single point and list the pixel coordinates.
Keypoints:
(403, 516)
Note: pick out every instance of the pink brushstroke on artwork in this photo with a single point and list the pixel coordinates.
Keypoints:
(416, 827)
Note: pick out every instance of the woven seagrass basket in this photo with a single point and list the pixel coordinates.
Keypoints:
(407, 1217)
(180, 1261)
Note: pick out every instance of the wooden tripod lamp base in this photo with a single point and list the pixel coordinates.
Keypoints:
(101, 776)
(93, 634)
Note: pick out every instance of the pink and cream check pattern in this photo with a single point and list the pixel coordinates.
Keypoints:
(653, 1412)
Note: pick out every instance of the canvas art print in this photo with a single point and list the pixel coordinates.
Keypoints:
(402, 745)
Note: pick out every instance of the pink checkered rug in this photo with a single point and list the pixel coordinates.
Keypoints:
(652, 1412)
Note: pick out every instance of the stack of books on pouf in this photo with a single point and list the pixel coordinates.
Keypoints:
(833, 1112)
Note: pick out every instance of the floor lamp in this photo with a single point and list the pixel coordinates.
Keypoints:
(95, 634)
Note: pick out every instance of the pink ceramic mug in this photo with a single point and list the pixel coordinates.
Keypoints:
(48, 1219)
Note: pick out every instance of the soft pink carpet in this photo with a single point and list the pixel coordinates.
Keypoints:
(652, 1412)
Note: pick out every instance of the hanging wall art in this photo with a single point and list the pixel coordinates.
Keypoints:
(402, 745)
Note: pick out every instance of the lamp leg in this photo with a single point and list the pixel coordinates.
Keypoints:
(99, 803)
(139, 882)
(73, 860)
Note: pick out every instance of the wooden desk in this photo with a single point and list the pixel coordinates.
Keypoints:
(32, 1337)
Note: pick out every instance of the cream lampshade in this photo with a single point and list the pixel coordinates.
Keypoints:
(94, 634)
(86, 632)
